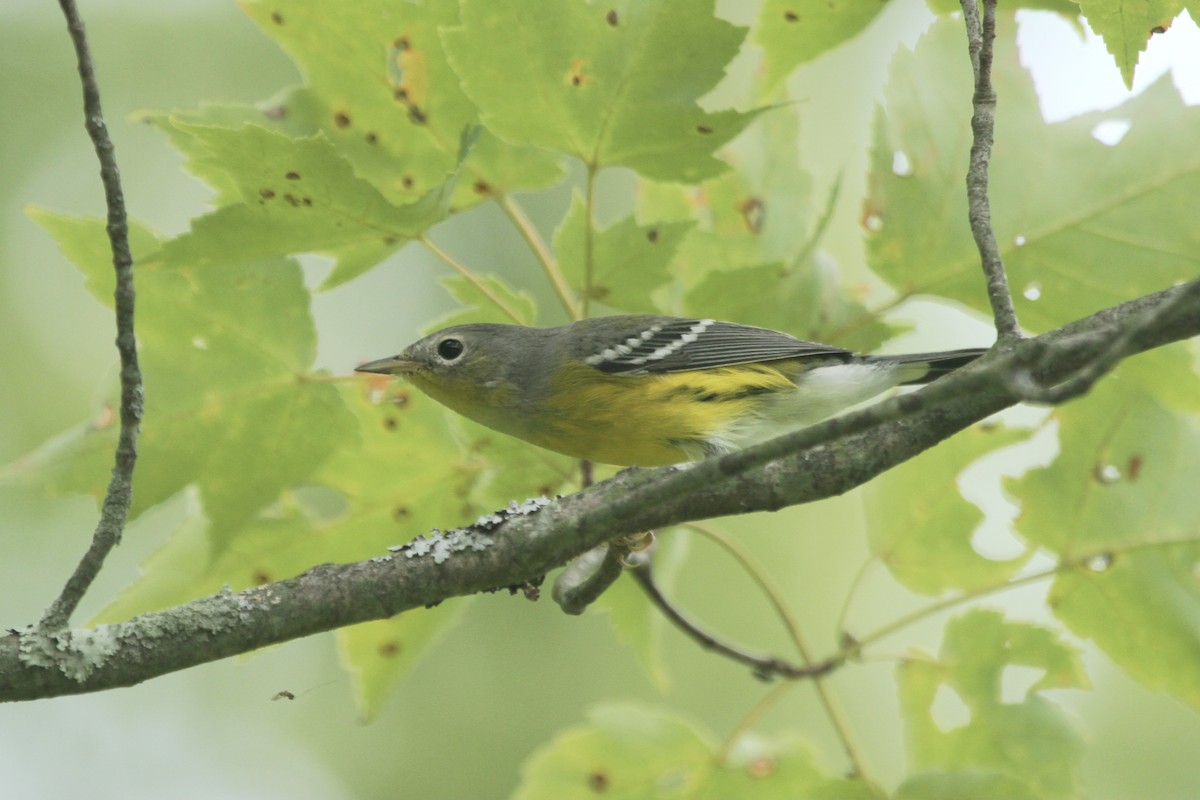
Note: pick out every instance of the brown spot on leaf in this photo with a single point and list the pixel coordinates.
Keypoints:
(652, 236)
(261, 577)
(292, 176)
(753, 212)
(611, 17)
(389, 649)
(341, 119)
(389, 423)
(482, 187)
(265, 193)
(402, 43)
(1134, 467)
(283, 695)
(406, 181)
(389, 240)
(292, 200)
(372, 137)
(598, 781)
(401, 513)
(576, 75)
(278, 112)
(276, 17)
(791, 16)
(703, 129)
(306, 200)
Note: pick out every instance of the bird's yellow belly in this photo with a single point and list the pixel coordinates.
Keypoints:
(654, 420)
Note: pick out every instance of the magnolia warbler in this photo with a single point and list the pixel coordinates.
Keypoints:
(648, 390)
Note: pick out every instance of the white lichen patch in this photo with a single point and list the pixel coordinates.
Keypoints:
(76, 653)
(441, 545)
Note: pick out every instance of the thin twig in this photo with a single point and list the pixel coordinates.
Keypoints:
(765, 667)
(826, 697)
(588, 577)
(983, 124)
(1125, 341)
(773, 594)
(115, 508)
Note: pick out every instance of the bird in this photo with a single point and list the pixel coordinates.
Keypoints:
(647, 390)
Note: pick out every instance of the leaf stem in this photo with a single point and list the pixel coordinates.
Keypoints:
(773, 595)
(833, 709)
(474, 280)
(589, 241)
(751, 719)
(528, 232)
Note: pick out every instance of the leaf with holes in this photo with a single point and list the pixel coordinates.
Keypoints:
(1119, 508)
(921, 527)
(1025, 741)
(1081, 225)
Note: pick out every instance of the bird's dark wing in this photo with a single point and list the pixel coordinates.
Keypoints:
(672, 344)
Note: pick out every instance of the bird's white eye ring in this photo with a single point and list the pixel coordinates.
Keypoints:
(450, 349)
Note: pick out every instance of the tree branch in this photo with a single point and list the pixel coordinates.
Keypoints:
(815, 463)
(118, 497)
(983, 124)
(587, 577)
(765, 667)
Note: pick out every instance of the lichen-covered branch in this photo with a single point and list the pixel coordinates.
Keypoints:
(824, 460)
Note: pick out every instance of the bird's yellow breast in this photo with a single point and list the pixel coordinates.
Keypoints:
(654, 419)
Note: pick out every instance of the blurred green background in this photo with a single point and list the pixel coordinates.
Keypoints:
(513, 672)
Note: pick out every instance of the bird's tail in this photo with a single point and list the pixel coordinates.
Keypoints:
(925, 367)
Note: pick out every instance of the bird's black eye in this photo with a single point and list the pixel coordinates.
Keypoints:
(450, 349)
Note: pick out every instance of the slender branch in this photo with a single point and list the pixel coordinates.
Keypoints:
(474, 280)
(518, 218)
(1124, 341)
(115, 508)
(829, 702)
(983, 124)
(765, 667)
(587, 577)
(834, 459)
(773, 595)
